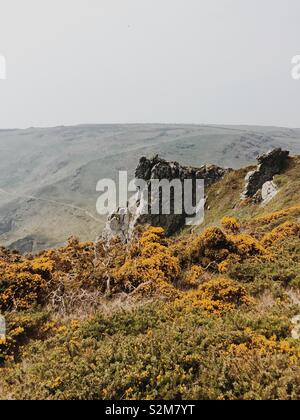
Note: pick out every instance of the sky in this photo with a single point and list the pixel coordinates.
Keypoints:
(149, 61)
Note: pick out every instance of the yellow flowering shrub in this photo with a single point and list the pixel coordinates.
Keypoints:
(224, 266)
(246, 246)
(26, 280)
(258, 345)
(216, 296)
(271, 217)
(225, 290)
(218, 250)
(230, 224)
(280, 233)
(212, 246)
(153, 268)
(194, 276)
(19, 290)
(21, 327)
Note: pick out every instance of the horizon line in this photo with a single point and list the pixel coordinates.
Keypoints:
(37, 127)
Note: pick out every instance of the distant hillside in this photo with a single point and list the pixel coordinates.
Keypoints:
(211, 313)
(48, 176)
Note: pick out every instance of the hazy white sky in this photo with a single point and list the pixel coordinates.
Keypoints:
(173, 61)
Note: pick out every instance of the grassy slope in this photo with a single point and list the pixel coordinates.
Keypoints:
(61, 166)
(224, 196)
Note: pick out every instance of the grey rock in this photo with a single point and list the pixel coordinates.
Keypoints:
(118, 224)
(123, 222)
(269, 164)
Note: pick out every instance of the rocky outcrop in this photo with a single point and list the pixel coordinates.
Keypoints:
(268, 192)
(157, 168)
(270, 164)
(123, 222)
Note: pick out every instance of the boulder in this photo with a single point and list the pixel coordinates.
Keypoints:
(269, 164)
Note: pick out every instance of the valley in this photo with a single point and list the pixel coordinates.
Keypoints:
(48, 176)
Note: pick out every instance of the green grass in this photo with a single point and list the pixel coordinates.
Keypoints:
(147, 354)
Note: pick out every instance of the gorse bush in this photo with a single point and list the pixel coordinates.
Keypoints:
(245, 246)
(22, 327)
(230, 224)
(22, 285)
(154, 267)
(217, 250)
(157, 351)
(271, 217)
(217, 296)
(26, 282)
(194, 276)
(282, 232)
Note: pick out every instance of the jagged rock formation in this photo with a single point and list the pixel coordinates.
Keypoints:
(123, 222)
(157, 168)
(270, 164)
